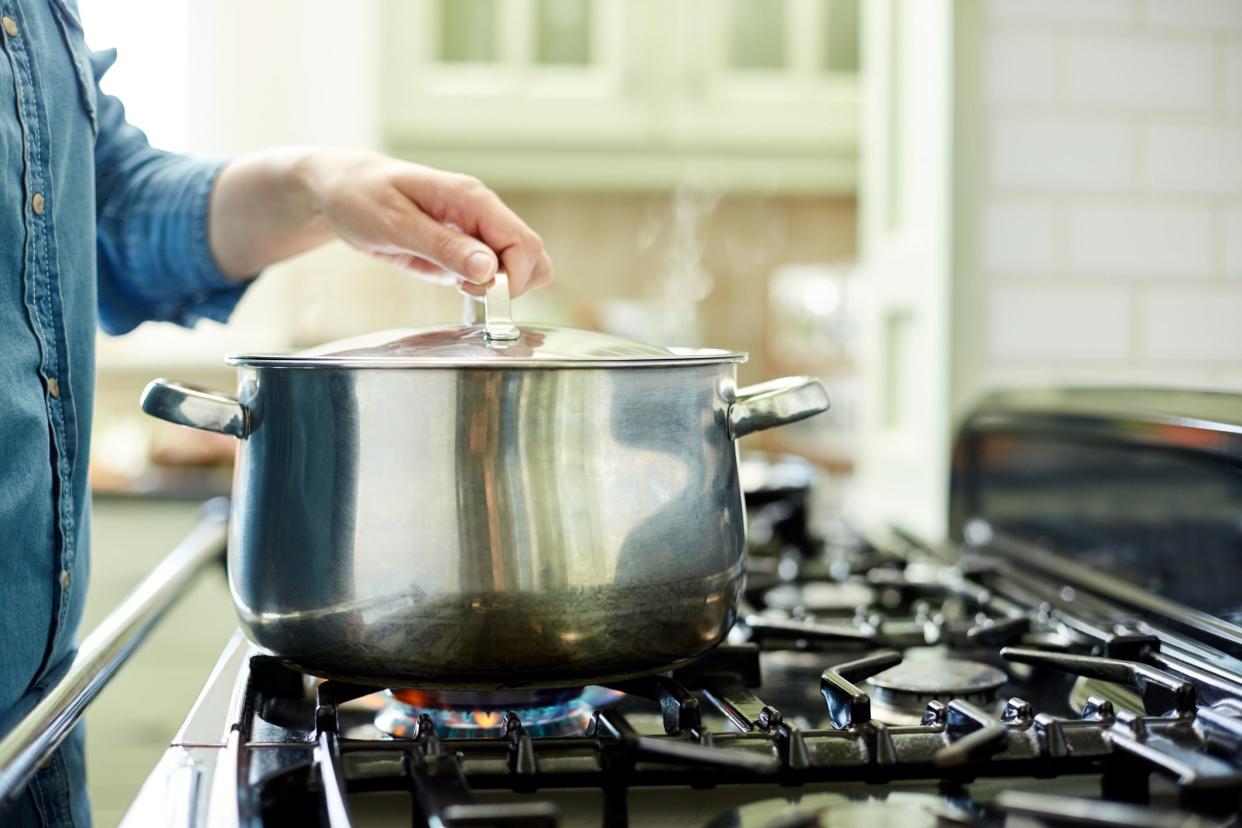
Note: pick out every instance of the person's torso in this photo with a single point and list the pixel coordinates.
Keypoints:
(47, 330)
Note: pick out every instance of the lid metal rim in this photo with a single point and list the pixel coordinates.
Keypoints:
(673, 360)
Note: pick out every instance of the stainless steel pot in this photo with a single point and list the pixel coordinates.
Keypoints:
(487, 507)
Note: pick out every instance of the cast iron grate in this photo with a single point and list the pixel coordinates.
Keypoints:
(956, 742)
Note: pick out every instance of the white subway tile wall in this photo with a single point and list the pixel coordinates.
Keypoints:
(1062, 10)
(1017, 237)
(1233, 76)
(1056, 324)
(1020, 65)
(1205, 160)
(1195, 326)
(1140, 240)
(1108, 228)
(1143, 72)
(1055, 154)
(1199, 14)
(1232, 228)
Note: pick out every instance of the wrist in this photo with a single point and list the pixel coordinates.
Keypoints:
(266, 207)
(306, 184)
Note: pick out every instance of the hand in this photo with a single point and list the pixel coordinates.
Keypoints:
(440, 225)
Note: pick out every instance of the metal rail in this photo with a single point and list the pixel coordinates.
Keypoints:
(108, 646)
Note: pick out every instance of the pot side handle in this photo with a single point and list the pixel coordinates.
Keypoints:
(776, 403)
(201, 408)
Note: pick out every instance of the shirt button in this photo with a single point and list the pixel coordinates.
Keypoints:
(53, 387)
(64, 579)
(36, 203)
(10, 26)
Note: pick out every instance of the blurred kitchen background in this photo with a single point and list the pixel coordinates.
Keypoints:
(915, 200)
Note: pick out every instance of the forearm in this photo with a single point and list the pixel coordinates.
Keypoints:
(263, 210)
(271, 205)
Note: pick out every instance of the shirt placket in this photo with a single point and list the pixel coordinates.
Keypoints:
(43, 299)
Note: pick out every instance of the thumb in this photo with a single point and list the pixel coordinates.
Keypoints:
(464, 255)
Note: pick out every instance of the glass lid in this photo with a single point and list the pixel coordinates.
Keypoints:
(488, 338)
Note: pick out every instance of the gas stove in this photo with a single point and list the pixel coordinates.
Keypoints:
(1018, 675)
(968, 694)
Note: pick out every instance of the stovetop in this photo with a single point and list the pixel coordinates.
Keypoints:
(865, 684)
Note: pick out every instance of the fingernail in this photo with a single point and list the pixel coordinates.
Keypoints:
(480, 266)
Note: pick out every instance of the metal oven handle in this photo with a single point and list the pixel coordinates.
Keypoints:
(109, 645)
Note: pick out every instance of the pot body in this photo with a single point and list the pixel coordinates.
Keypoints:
(483, 528)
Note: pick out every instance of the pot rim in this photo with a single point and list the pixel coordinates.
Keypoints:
(676, 357)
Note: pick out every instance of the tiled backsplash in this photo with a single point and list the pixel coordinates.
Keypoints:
(1103, 216)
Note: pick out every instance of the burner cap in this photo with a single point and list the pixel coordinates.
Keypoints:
(909, 686)
(820, 596)
(898, 810)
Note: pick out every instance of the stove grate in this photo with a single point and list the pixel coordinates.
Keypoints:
(296, 747)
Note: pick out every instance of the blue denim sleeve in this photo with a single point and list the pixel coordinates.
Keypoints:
(151, 213)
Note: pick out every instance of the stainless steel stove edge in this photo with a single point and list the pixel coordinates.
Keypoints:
(176, 792)
(182, 785)
(218, 705)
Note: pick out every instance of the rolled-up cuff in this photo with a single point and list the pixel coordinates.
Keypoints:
(202, 290)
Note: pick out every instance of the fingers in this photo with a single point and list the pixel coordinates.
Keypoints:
(543, 273)
(416, 264)
(468, 205)
(481, 211)
(453, 251)
(520, 248)
(520, 260)
(471, 289)
(432, 272)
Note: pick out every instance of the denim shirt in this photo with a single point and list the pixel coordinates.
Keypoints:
(96, 228)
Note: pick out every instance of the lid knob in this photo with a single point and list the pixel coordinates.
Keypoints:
(492, 311)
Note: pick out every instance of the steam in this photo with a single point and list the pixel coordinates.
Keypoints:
(687, 278)
(685, 281)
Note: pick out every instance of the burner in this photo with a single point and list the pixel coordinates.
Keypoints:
(485, 699)
(481, 715)
(901, 693)
(907, 810)
(842, 597)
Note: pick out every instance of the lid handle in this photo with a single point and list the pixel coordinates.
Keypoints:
(492, 311)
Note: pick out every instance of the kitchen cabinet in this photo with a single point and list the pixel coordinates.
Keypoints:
(906, 247)
(741, 95)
